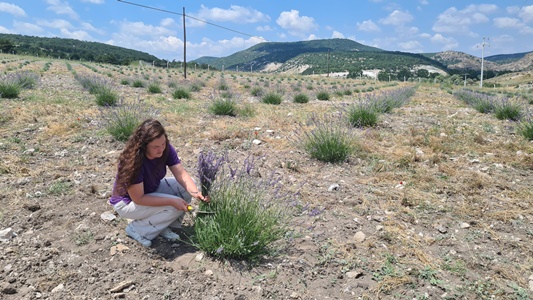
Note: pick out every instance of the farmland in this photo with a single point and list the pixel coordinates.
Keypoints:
(434, 203)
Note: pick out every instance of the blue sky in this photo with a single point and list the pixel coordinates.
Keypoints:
(416, 26)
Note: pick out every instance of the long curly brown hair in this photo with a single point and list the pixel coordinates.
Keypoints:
(130, 160)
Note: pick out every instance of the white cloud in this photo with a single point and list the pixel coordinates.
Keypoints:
(61, 8)
(94, 1)
(368, 26)
(4, 30)
(168, 22)
(263, 28)
(12, 9)
(337, 35)
(90, 27)
(235, 13)
(526, 13)
(459, 21)
(397, 18)
(26, 28)
(132, 29)
(412, 46)
(78, 34)
(295, 24)
(424, 2)
(513, 10)
(448, 43)
(171, 47)
(56, 24)
(507, 23)
(311, 37)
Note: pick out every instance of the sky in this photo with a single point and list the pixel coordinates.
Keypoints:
(220, 28)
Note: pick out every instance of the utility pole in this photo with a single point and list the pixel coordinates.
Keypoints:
(328, 63)
(483, 44)
(464, 85)
(184, 47)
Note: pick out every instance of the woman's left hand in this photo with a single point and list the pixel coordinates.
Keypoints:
(200, 196)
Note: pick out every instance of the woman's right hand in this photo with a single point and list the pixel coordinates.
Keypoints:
(181, 204)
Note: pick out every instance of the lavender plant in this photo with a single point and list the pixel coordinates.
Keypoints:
(209, 164)
(483, 103)
(223, 107)
(249, 216)
(525, 127)
(328, 139)
(508, 110)
(12, 84)
(121, 121)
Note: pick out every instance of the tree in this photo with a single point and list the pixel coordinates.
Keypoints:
(404, 74)
(6, 46)
(422, 73)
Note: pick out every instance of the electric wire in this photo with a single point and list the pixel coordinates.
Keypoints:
(190, 17)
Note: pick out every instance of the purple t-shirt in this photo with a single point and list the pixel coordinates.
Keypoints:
(151, 173)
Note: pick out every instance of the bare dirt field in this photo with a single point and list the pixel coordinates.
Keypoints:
(436, 203)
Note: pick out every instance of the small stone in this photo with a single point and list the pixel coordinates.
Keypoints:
(354, 274)
(7, 234)
(256, 142)
(121, 286)
(199, 257)
(464, 225)
(359, 237)
(209, 272)
(295, 295)
(441, 228)
(334, 187)
(58, 288)
(108, 216)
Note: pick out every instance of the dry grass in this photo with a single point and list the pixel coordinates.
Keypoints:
(426, 170)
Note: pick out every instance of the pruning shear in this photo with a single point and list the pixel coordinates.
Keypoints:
(192, 210)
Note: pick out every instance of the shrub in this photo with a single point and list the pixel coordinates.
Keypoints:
(181, 93)
(246, 111)
(301, 98)
(328, 140)
(323, 95)
(248, 217)
(272, 98)
(256, 91)
(154, 88)
(224, 107)
(92, 84)
(508, 110)
(360, 115)
(124, 81)
(106, 97)
(138, 83)
(525, 128)
(121, 121)
(9, 89)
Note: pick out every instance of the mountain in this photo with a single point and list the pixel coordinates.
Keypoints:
(71, 49)
(319, 56)
(498, 63)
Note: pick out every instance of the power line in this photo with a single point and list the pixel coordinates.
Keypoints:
(199, 20)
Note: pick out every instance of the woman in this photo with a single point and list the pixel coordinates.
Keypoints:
(142, 193)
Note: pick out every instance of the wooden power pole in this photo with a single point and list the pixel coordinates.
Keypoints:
(184, 47)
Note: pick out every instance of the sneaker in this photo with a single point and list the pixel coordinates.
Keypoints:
(139, 238)
(170, 235)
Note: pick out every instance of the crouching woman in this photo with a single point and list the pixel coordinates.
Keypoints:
(142, 193)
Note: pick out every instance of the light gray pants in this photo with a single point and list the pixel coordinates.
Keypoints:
(149, 221)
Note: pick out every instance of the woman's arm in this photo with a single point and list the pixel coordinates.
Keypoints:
(137, 195)
(186, 181)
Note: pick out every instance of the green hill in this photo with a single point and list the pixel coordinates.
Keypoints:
(507, 58)
(72, 49)
(318, 56)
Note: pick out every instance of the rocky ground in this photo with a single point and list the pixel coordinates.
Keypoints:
(434, 204)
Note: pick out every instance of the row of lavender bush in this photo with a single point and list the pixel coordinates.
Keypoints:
(503, 108)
